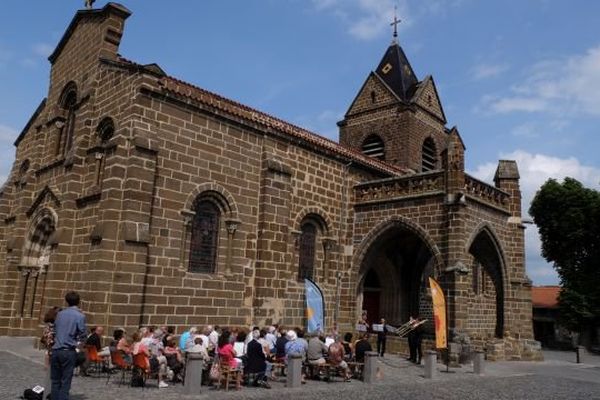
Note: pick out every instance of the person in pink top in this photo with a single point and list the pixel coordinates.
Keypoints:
(227, 355)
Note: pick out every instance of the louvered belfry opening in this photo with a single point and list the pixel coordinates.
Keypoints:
(374, 147)
(429, 156)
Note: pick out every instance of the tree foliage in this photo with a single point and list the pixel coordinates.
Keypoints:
(568, 217)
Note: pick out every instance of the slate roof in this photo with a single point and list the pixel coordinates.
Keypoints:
(395, 70)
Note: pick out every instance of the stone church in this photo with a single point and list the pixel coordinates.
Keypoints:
(163, 203)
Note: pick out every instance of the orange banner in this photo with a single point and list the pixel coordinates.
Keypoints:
(439, 314)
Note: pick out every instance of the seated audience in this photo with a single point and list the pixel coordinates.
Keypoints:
(280, 346)
(158, 363)
(174, 359)
(256, 365)
(347, 343)
(336, 358)
(361, 346)
(227, 355)
(316, 350)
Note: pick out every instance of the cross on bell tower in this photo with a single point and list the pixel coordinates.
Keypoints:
(395, 25)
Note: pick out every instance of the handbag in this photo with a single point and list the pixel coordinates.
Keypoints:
(215, 371)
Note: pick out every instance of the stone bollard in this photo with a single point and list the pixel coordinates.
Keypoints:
(479, 362)
(580, 352)
(294, 371)
(370, 367)
(430, 364)
(193, 374)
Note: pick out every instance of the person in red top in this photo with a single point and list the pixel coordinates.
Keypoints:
(227, 355)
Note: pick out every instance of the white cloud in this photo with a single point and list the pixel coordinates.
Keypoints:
(569, 85)
(366, 19)
(485, 71)
(7, 134)
(510, 104)
(535, 169)
(526, 130)
(42, 49)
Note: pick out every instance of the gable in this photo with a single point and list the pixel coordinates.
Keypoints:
(31, 122)
(50, 192)
(363, 101)
(428, 99)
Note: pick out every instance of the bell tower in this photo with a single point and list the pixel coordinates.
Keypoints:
(396, 117)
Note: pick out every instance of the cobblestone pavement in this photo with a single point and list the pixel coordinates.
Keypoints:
(22, 367)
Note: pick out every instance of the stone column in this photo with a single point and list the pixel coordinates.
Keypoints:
(430, 364)
(294, 371)
(479, 362)
(193, 374)
(370, 368)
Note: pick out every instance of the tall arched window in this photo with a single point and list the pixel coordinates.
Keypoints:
(205, 237)
(105, 132)
(373, 146)
(68, 103)
(429, 155)
(308, 239)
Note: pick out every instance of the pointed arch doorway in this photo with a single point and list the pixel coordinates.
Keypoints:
(393, 274)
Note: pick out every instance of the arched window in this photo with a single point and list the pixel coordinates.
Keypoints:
(308, 239)
(429, 155)
(205, 237)
(373, 146)
(68, 103)
(105, 131)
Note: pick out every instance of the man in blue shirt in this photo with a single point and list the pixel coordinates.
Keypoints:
(69, 330)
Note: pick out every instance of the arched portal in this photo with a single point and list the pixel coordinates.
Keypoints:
(487, 284)
(392, 274)
(35, 262)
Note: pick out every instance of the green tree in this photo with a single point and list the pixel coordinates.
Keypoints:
(568, 217)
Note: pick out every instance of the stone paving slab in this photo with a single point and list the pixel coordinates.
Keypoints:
(21, 367)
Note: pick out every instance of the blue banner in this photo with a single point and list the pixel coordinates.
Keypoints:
(314, 307)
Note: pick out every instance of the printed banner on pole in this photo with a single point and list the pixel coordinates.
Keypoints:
(439, 314)
(314, 307)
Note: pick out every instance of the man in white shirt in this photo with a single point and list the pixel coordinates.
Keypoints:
(213, 337)
(271, 338)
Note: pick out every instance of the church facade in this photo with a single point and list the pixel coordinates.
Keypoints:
(165, 204)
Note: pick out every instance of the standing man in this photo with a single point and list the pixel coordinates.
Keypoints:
(415, 337)
(381, 339)
(70, 329)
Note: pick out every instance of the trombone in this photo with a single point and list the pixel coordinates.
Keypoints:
(404, 329)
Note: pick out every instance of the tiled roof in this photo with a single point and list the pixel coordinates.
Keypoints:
(545, 296)
(185, 89)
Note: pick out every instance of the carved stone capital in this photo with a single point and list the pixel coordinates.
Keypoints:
(232, 226)
(188, 217)
(329, 244)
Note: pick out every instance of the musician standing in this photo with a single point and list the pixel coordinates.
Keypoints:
(381, 338)
(415, 337)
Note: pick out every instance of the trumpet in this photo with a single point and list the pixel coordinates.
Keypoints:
(404, 329)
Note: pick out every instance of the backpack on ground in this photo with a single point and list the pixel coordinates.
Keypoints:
(36, 393)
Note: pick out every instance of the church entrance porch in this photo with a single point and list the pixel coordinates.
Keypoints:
(393, 275)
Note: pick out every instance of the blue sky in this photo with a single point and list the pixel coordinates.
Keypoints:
(520, 79)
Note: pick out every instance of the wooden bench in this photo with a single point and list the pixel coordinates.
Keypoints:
(278, 367)
(356, 368)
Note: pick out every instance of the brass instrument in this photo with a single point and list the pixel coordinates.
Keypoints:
(404, 329)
